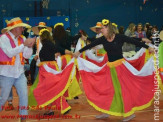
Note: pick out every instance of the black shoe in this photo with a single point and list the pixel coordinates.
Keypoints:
(49, 114)
(76, 97)
(67, 112)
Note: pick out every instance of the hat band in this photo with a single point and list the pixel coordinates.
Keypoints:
(15, 23)
(42, 24)
(98, 25)
(8, 25)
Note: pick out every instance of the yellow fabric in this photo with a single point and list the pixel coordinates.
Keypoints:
(82, 45)
(64, 110)
(121, 114)
(115, 63)
(51, 62)
(37, 45)
(74, 89)
(147, 55)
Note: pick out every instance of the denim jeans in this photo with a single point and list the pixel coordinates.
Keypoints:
(10, 96)
(20, 84)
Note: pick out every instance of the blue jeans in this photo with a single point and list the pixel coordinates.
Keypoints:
(10, 96)
(20, 84)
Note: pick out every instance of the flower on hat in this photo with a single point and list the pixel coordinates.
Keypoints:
(42, 30)
(58, 24)
(105, 21)
(114, 24)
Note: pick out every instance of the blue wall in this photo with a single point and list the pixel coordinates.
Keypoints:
(85, 13)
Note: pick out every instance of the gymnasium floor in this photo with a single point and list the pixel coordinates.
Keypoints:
(82, 112)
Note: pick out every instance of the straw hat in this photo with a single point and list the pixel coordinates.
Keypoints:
(161, 35)
(13, 23)
(41, 24)
(98, 25)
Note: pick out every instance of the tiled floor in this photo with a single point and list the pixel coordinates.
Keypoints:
(82, 112)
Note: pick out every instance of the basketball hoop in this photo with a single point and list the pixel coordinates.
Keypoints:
(45, 3)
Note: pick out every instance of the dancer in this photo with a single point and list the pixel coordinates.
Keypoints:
(36, 31)
(13, 49)
(117, 99)
(48, 89)
(63, 43)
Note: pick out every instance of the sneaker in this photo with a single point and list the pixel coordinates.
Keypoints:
(76, 97)
(67, 112)
(9, 107)
(22, 120)
(129, 118)
(102, 116)
(49, 114)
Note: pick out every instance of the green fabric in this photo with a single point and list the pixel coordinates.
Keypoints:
(117, 103)
(31, 99)
(161, 55)
(102, 51)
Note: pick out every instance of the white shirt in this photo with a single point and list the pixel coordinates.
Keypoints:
(38, 50)
(99, 35)
(17, 69)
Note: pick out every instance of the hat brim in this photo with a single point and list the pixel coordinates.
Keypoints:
(4, 30)
(94, 28)
(36, 30)
(161, 35)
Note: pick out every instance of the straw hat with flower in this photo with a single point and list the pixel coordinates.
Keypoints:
(42, 25)
(98, 25)
(13, 23)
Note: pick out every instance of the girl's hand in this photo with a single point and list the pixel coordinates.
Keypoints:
(76, 54)
(146, 40)
(151, 50)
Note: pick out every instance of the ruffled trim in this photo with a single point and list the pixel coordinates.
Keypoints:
(65, 110)
(121, 114)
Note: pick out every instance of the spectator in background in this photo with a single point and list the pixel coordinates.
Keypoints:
(128, 48)
(140, 33)
(147, 29)
(99, 49)
(121, 30)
